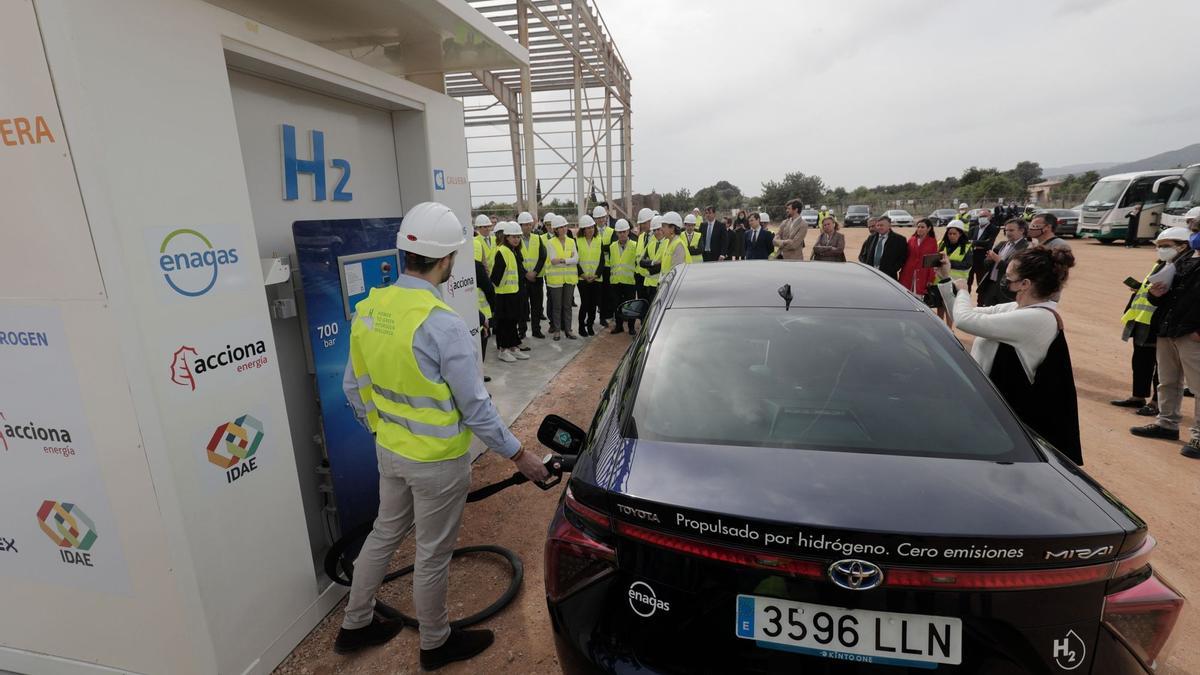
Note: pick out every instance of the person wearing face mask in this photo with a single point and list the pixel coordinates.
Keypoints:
(1021, 344)
(1177, 300)
(1142, 321)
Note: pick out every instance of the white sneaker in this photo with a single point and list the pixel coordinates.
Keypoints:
(521, 356)
(508, 357)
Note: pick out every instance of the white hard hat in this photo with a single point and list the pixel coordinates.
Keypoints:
(672, 218)
(430, 229)
(622, 225)
(599, 212)
(549, 217)
(962, 205)
(558, 222)
(482, 221)
(508, 228)
(644, 215)
(1193, 214)
(824, 208)
(1174, 234)
(956, 224)
(586, 221)
(689, 219)
(764, 217)
(524, 218)
(655, 222)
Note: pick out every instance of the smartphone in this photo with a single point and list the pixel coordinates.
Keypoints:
(1132, 283)
(932, 260)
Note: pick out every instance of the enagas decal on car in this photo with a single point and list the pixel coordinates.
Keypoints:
(644, 602)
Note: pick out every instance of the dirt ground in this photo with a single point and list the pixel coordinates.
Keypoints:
(1148, 475)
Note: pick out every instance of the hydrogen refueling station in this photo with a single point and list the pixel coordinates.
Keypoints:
(195, 194)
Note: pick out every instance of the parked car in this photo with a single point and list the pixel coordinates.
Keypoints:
(810, 216)
(1068, 221)
(793, 491)
(942, 217)
(900, 217)
(857, 215)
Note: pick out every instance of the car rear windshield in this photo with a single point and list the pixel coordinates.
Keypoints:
(857, 209)
(828, 379)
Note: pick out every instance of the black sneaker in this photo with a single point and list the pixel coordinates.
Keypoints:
(539, 335)
(1155, 431)
(617, 329)
(1131, 402)
(1188, 392)
(603, 323)
(1191, 450)
(356, 639)
(1148, 410)
(460, 646)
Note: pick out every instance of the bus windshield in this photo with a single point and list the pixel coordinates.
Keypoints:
(1186, 195)
(1105, 195)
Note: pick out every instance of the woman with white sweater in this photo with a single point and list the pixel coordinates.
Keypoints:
(1021, 345)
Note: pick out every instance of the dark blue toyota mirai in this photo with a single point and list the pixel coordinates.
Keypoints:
(829, 484)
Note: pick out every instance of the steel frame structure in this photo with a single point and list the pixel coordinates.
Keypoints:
(570, 50)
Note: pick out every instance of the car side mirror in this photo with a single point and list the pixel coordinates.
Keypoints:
(634, 309)
(561, 436)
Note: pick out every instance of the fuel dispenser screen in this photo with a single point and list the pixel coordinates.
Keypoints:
(340, 262)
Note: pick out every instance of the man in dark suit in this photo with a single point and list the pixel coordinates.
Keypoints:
(993, 288)
(714, 238)
(759, 240)
(885, 250)
(982, 236)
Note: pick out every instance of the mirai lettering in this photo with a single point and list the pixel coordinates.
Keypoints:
(1080, 553)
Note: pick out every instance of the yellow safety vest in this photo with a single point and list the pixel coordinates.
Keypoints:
(589, 254)
(485, 307)
(485, 250)
(606, 237)
(693, 241)
(667, 253)
(510, 283)
(1140, 310)
(530, 251)
(410, 414)
(622, 262)
(649, 246)
(960, 260)
(557, 275)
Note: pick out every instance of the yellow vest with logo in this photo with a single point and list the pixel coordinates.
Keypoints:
(557, 275)
(1140, 310)
(589, 254)
(410, 414)
(622, 263)
(510, 283)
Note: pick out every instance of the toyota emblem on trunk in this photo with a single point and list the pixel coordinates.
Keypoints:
(855, 575)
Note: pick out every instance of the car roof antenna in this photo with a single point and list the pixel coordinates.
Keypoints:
(785, 292)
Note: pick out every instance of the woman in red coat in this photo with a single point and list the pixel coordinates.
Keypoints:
(913, 276)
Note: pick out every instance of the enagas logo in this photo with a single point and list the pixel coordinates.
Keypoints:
(52, 439)
(70, 529)
(233, 445)
(187, 364)
(190, 264)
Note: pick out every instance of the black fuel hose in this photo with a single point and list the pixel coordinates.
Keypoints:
(340, 569)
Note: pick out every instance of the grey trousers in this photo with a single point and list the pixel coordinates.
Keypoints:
(431, 496)
(560, 307)
(1178, 364)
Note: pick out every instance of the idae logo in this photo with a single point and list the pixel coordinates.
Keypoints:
(70, 529)
(47, 438)
(188, 365)
(233, 445)
(194, 263)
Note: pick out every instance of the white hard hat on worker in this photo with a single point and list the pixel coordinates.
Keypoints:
(431, 230)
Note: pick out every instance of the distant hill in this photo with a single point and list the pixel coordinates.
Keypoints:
(1076, 169)
(1166, 160)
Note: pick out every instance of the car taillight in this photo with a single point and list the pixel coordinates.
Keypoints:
(1143, 617)
(575, 558)
(725, 554)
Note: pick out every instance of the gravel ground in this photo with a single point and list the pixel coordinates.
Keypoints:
(1148, 475)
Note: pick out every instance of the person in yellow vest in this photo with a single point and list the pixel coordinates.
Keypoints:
(957, 249)
(561, 277)
(823, 213)
(644, 217)
(506, 277)
(533, 259)
(691, 237)
(1140, 327)
(605, 232)
(622, 261)
(413, 380)
(672, 249)
(649, 255)
(484, 243)
(591, 264)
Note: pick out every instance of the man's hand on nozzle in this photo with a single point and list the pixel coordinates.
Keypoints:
(530, 466)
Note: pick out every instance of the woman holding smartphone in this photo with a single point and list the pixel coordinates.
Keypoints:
(921, 265)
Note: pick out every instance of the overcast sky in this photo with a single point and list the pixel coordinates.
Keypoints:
(864, 93)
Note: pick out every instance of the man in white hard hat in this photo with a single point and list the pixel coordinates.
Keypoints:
(962, 212)
(533, 259)
(648, 256)
(484, 243)
(605, 233)
(691, 236)
(414, 380)
(641, 237)
(622, 260)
